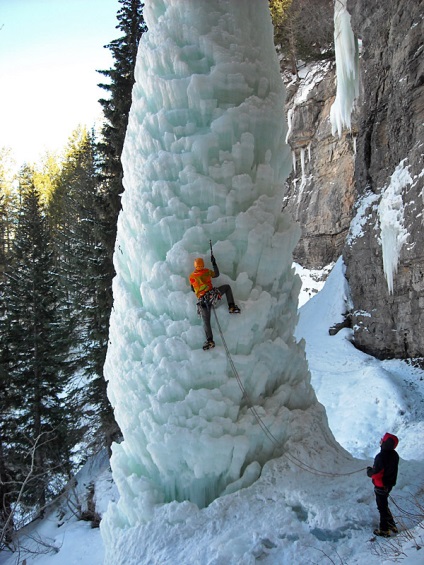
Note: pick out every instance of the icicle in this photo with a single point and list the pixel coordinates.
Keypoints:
(289, 123)
(393, 232)
(302, 163)
(303, 182)
(347, 63)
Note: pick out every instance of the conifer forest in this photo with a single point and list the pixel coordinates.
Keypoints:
(57, 234)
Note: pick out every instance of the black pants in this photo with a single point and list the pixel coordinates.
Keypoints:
(382, 500)
(205, 309)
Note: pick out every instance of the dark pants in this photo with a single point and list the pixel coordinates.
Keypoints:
(205, 309)
(382, 499)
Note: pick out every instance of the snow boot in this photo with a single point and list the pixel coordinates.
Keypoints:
(209, 344)
(393, 528)
(382, 533)
(233, 309)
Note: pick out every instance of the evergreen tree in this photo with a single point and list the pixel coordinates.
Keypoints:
(303, 30)
(7, 219)
(7, 486)
(74, 209)
(7, 204)
(46, 176)
(116, 110)
(34, 366)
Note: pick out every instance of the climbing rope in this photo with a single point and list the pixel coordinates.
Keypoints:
(292, 458)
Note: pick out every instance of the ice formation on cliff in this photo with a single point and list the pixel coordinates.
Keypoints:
(347, 69)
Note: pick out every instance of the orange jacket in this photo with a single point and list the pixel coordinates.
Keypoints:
(201, 281)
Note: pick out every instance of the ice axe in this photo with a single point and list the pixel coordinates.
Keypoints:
(212, 257)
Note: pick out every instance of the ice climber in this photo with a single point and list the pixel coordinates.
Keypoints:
(384, 474)
(207, 295)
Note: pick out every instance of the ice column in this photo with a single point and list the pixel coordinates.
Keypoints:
(393, 233)
(204, 159)
(347, 69)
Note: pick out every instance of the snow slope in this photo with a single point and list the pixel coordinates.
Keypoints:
(294, 513)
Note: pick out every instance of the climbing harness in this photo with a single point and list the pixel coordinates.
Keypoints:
(209, 299)
(292, 458)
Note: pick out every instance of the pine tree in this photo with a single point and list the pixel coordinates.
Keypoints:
(37, 348)
(46, 176)
(7, 204)
(81, 255)
(7, 486)
(116, 109)
(303, 30)
(7, 218)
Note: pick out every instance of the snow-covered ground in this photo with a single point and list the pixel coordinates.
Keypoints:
(301, 512)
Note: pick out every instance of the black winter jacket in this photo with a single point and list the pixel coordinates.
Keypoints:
(385, 469)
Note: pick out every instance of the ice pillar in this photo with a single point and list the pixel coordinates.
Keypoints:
(347, 69)
(204, 159)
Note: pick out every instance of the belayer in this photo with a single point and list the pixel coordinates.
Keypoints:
(384, 475)
(207, 295)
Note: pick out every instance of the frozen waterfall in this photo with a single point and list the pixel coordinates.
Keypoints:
(204, 159)
(347, 69)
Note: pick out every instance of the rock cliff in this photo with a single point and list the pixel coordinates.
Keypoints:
(385, 258)
(320, 190)
(362, 195)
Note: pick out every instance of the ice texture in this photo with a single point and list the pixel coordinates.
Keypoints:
(393, 233)
(204, 159)
(347, 69)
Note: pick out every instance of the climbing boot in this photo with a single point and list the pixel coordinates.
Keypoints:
(209, 344)
(382, 533)
(393, 528)
(233, 309)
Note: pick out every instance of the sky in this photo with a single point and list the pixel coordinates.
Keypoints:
(290, 515)
(49, 53)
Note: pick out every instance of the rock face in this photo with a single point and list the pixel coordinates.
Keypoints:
(362, 195)
(388, 322)
(320, 191)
